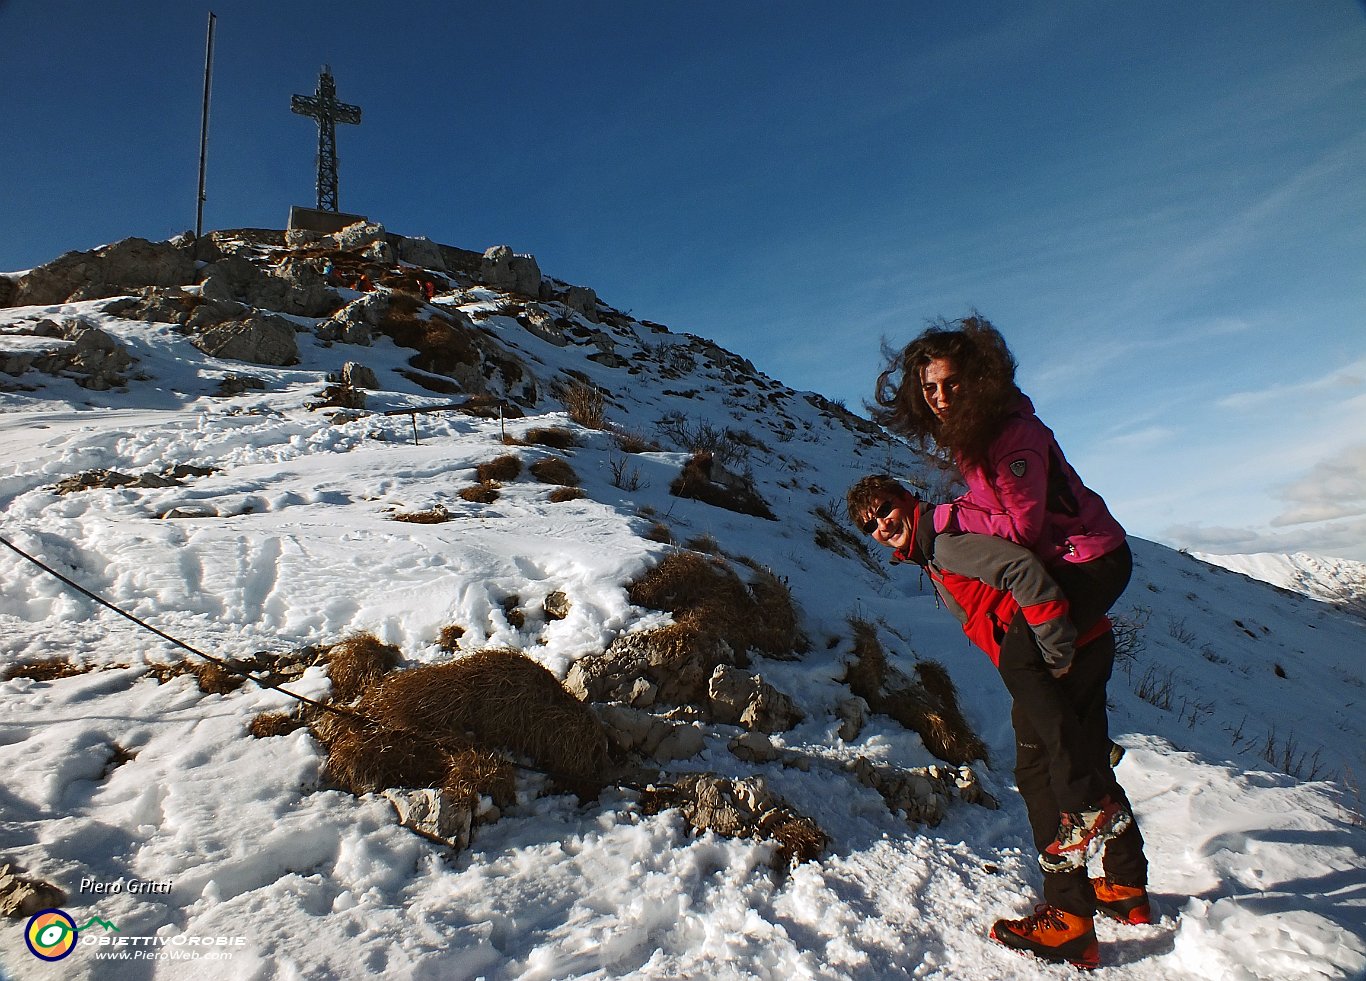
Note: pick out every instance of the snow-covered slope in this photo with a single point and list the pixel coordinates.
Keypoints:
(1341, 582)
(1240, 705)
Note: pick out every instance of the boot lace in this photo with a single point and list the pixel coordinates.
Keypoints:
(1045, 917)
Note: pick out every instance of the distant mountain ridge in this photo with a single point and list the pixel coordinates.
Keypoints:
(1341, 582)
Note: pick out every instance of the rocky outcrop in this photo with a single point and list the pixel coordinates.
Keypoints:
(356, 322)
(73, 349)
(422, 252)
(651, 736)
(109, 271)
(295, 286)
(670, 665)
(504, 270)
(739, 809)
(739, 698)
(583, 301)
(259, 338)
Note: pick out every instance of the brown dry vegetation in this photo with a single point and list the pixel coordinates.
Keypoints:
(434, 716)
(629, 441)
(356, 661)
(659, 532)
(269, 724)
(499, 469)
(561, 494)
(553, 470)
(449, 637)
(212, 679)
(929, 707)
(694, 482)
(432, 516)
(556, 437)
(46, 669)
(479, 493)
(705, 594)
(443, 344)
(585, 404)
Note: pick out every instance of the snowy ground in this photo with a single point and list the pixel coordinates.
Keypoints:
(1258, 872)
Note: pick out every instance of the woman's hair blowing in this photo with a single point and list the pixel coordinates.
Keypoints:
(987, 393)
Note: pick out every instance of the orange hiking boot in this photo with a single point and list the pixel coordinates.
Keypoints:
(1078, 830)
(1128, 904)
(1052, 935)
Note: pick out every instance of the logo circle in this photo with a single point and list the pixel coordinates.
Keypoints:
(50, 935)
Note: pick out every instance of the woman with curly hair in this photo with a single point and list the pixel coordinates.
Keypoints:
(952, 392)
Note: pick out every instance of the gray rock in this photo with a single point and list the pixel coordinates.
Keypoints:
(753, 747)
(583, 301)
(259, 339)
(676, 662)
(557, 606)
(504, 270)
(191, 511)
(108, 271)
(356, 375)
(853, 715)
(21, 897)
(7, 288)
(434, 815)
(655, 738)
(422, 252)
(739, 698)
(354, 238)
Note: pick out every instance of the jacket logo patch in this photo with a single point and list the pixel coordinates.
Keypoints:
(1018, 467)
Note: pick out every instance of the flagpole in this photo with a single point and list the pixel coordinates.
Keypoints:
(204, 127)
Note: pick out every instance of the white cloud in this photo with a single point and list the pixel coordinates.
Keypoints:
(1344, 382)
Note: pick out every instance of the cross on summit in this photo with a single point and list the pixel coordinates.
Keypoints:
(323, 106)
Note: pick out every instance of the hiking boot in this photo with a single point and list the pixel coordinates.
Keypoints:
(1128, 904)
(1079, 829)
(1052, 935)
(1116, 754)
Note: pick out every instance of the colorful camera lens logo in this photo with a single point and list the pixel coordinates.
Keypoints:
(50, 935)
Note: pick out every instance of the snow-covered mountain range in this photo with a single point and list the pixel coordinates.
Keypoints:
(1341, 582)
(263, 443)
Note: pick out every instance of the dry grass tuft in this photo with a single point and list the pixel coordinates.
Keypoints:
(928, 706)
(659, 532)
(364, 759)
(47, 669)
(491, 700)
(703, 592)
(449, 638)
(479, 493)
(705, 543)
(629, 441)
(951, 729)
(585, 404)
(562, 494)
(737, 494)
(356, 661)
(212, 679)
(499, 469)
(432, 516)
(269, 724)
(471, 774)
(556, 437)
(799, 840)
(553, 470)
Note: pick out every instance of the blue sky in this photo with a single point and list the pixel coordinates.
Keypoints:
(1162, 205)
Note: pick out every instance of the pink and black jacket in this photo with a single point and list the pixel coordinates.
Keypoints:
(987, 581)
(1028, 493)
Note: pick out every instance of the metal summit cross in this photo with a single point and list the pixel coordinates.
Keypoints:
(323, 106)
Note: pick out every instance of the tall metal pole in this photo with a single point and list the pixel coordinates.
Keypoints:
(204, 128)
